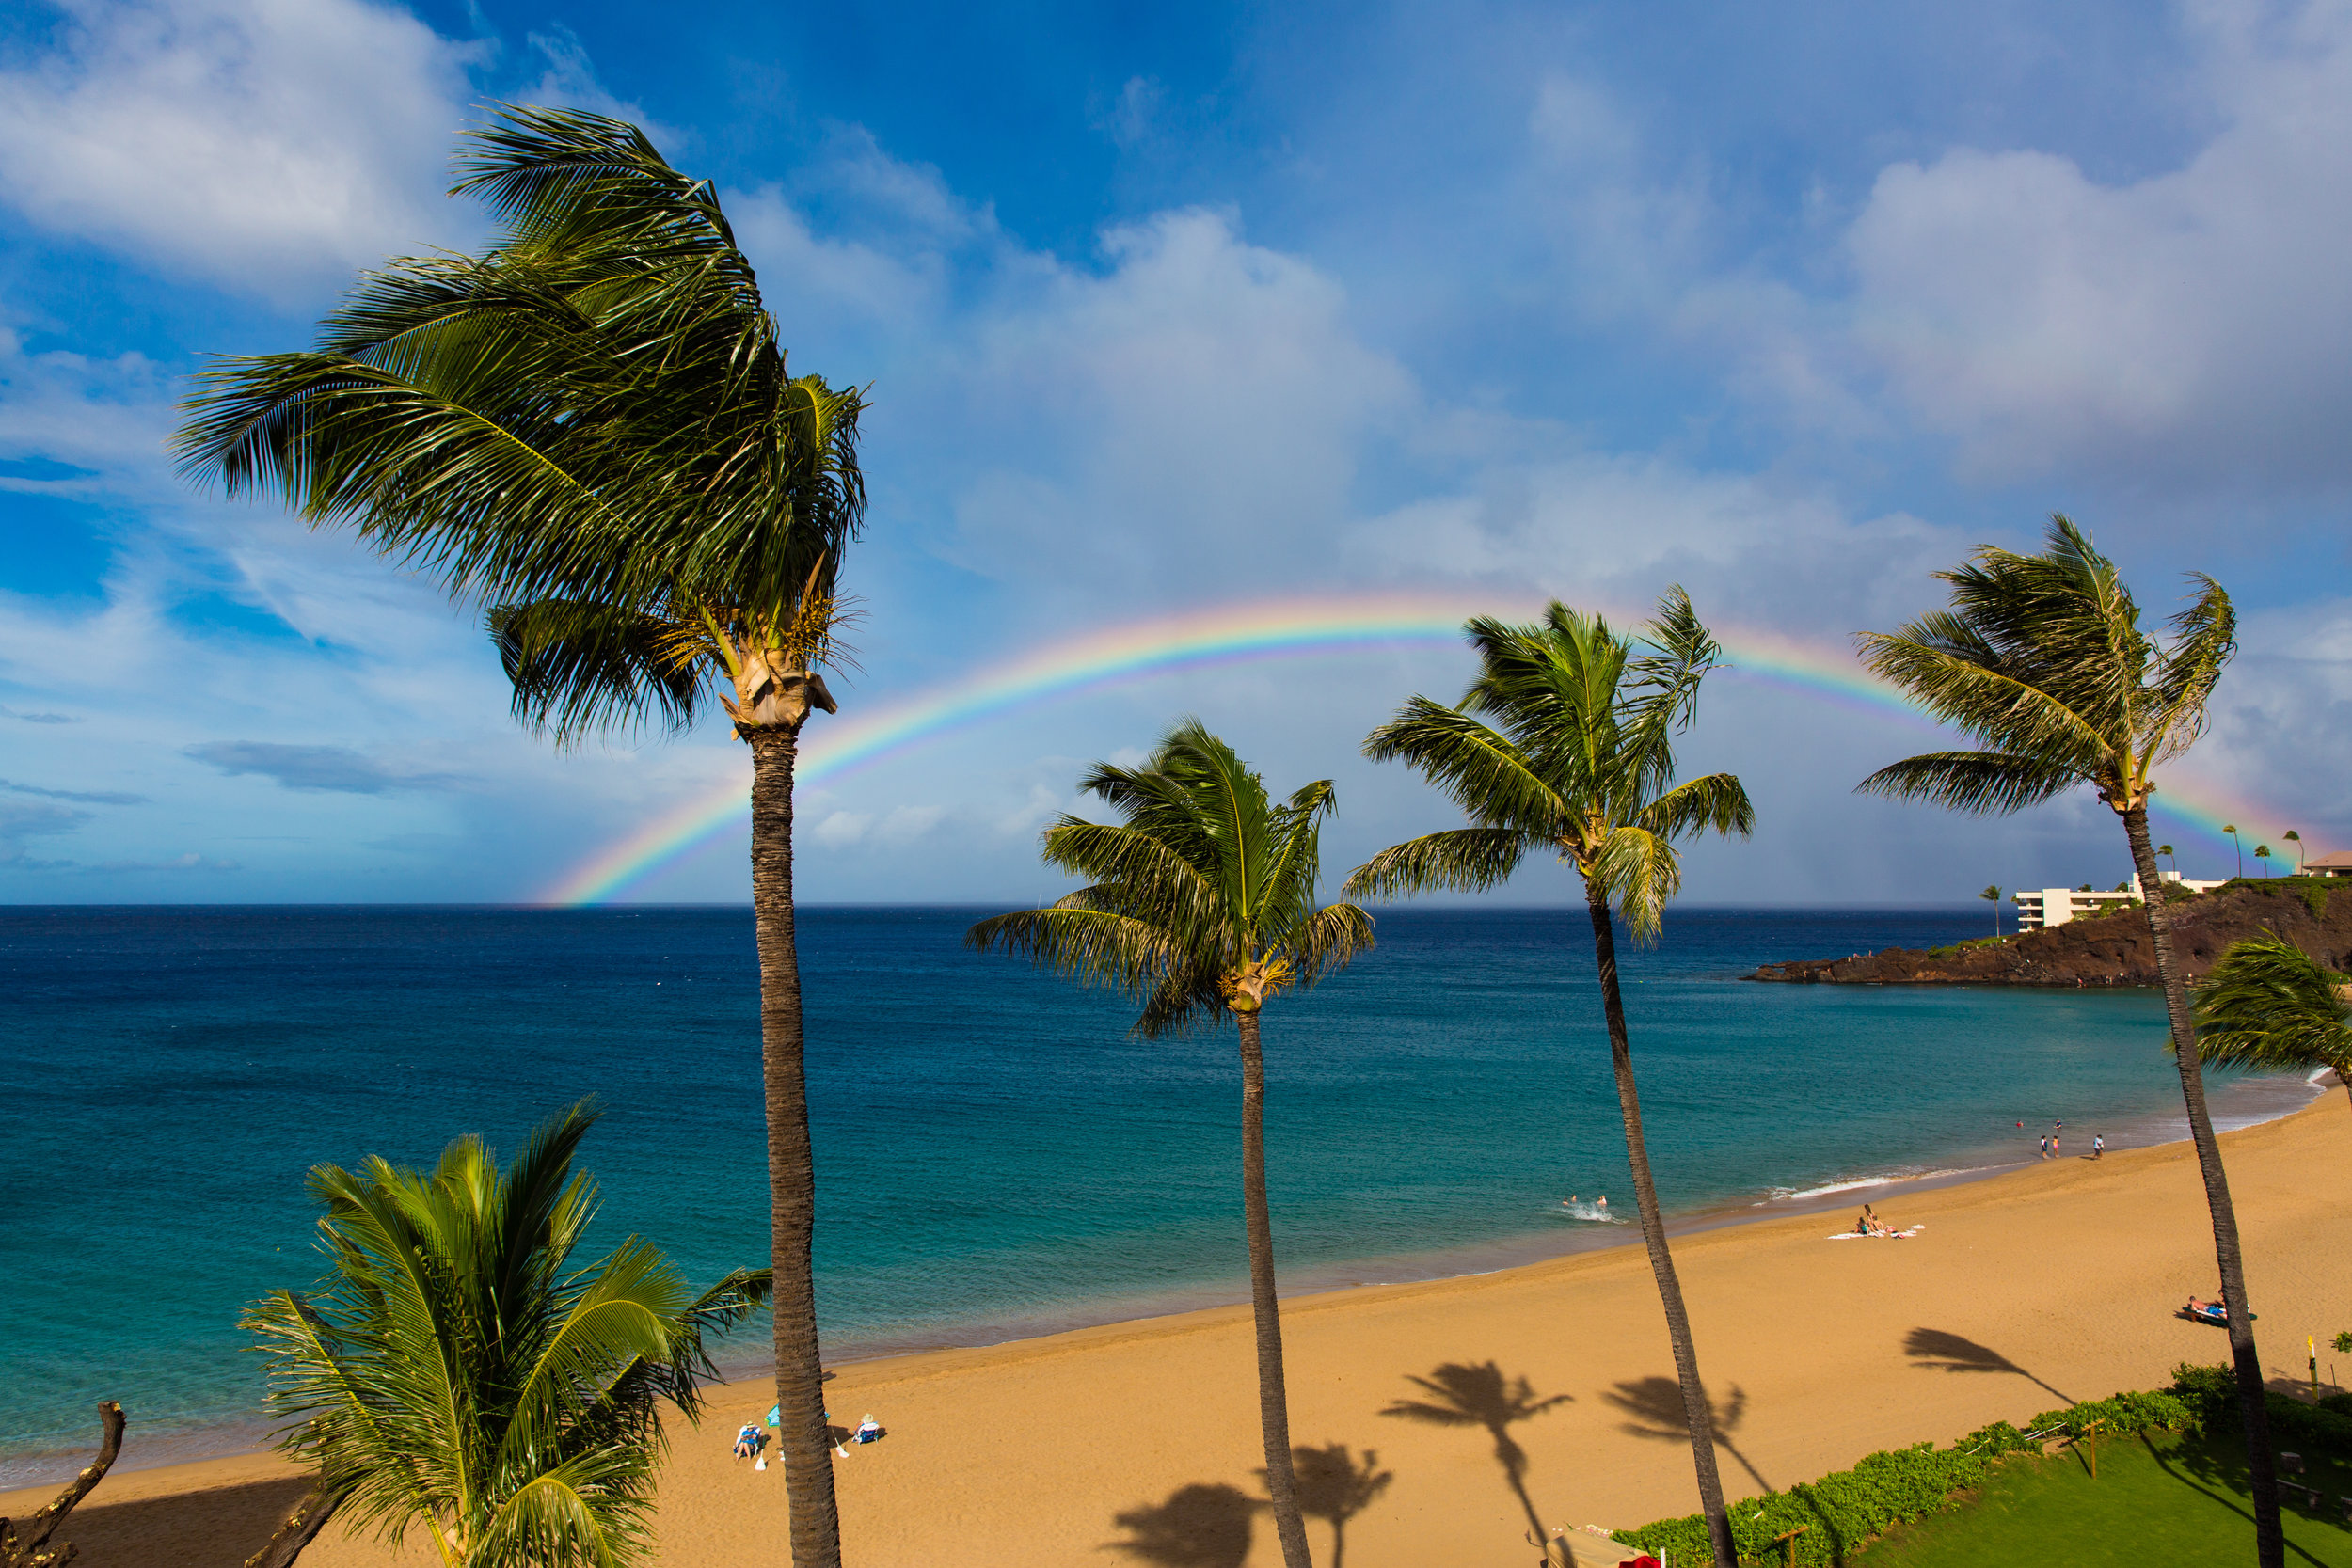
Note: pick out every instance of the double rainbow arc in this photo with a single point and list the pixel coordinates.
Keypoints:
(1223, 636)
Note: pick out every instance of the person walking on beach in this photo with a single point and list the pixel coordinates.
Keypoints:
(2045, 1146)
(2054, 1139)
(2098, 1145)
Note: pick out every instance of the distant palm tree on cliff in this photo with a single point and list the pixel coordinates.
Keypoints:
(592, 425)
(2166, 849)
(2261, 857)
(459, 1374)
(2269, 1004)
(2042, 658)
(1992, 897)
(1580, 765)
(1201, 904)
(2230, 828)
(2296, 839)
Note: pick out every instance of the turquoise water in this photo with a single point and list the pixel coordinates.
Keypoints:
(997, 1157)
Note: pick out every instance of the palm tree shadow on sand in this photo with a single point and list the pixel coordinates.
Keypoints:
(1655, 1405)
(1933, 1348)
(1334, 1485)
(1481, 1396)
(1198, 1526)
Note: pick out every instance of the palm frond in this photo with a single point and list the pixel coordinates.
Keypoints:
(1638, 872)
(1974, 780)
(1460, 860)
(1082, 941)
(2204, 636)
(1715, 802)
(1482, 770)
(1327, 941)
(2269, 1004)
(580, 666)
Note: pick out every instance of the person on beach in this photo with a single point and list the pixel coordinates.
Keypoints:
(2045, 1146)
(747, 1442)
(2098, 1145)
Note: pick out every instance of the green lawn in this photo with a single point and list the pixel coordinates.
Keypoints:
(2160, 1500)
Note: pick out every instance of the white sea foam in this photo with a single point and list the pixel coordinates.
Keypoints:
(1862, 1183)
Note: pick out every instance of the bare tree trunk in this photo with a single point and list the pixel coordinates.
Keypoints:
(1697, 1412)
(301, 1527)
(802, 1437)
(1274, 1415)
(31, 1550)
(2262, 1472)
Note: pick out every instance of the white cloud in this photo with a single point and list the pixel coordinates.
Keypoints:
(267, 145)
(1194, 414)
(2188, 324)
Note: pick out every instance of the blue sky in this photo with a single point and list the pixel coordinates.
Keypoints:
(1165, 307)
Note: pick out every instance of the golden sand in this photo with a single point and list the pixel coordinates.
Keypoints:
(2027, 1290)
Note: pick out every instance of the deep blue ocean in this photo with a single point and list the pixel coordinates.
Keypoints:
(996, 1156)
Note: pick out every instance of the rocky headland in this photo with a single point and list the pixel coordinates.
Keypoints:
(2109, 949)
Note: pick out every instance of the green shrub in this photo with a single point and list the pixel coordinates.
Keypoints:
(2125, 1416)
(1846, 1508)
(2304, 1428)
(2339, 1403)
(2311, 890)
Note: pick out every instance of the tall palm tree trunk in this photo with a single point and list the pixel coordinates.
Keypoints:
(791, 1171)
(2269, 1544)
(1274, 1414)
(1700, 1418)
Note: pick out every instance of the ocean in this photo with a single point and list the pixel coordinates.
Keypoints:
(996, 1156)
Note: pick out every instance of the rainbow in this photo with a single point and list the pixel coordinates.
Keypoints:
(1207, 639)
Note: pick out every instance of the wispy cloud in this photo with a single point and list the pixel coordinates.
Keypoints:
(84, 797)
(334, 769)
(37, 717)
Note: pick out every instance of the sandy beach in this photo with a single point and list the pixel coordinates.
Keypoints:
(2026, 1291)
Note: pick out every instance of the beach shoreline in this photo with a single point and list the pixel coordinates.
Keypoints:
(2028, 1288)
(1561, 1239)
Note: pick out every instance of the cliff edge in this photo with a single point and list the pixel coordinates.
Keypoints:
(2111, 949)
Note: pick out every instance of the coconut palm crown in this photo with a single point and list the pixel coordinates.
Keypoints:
(2041, 659)
(1580, 763)
(2267, 1003)
(459, 1372)
(1200, 904)
(592, 427)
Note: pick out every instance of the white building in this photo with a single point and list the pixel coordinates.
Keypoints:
(2056, 906)
(2337, 865)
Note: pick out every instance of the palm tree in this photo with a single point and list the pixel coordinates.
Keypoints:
(458, 1372)
(2269, 1004)
(1992, 897)
(2296, 839)
(592, 426)
(2262, 855)
(1201, 903)
(2042, 658)
(2230, 828)
(1580, 765)
(2166, 850)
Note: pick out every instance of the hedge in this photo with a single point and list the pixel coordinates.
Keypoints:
(1848, 1508)
(2294, 1425)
